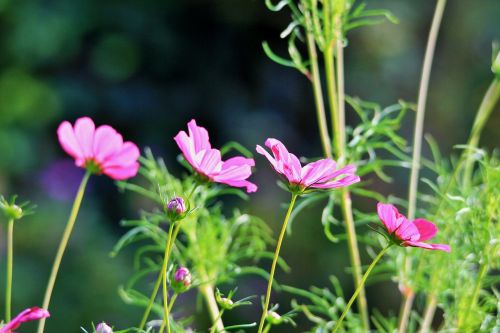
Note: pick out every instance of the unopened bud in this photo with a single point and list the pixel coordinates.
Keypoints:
(176, 208)
(103, 328)
(226, 303)
(274, 318)
(182, 280)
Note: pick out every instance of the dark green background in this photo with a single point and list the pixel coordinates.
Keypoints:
(146, 68)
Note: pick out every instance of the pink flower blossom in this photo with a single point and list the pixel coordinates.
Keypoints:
(208, 162)
(321, 174)
(30, 314)
(99, 150)
(408, 233)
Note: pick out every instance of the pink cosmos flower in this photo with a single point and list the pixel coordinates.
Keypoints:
(408, 233)
(208, 162)
(30, 314)
(322, 174)
(100, 150)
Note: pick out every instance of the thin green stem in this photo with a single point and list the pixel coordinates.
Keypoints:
(358, 290)
(62, 247)
(417, 147)
(170, 305)
(316, 85)
(275, 260)
(164, 276)
(159, 278)
(488, 103)
(10, 260)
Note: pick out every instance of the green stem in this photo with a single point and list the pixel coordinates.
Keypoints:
(464, 315)
(316, 85)
(275, 260)
(207, 291)
(337, 110)
(214, 326)
(417, 146)
(62, 247)
(363, 280)
(170, 305)
(488, 103)
(430, 309)
(164, 276)
(10, 259)
(160, 277)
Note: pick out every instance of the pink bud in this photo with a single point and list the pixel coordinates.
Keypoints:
(103, 328)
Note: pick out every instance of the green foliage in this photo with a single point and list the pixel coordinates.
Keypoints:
(310, 16)
(217, 248)
(323, 306)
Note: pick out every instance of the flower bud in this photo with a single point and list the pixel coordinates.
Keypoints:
(274, 318)
(176, 208)
(181, 280)
(10, 209)
(103, 328)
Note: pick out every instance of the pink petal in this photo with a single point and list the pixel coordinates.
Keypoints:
(121, 172)
(389, 216)
(126, 154)
(210, 161)
(250, 187)
(407, 231)
(30, 314)
(199, 136)
(426, 229)
(107, 142)
(68, 141)
(442, 247)
(315, 172)
(186, 146)
(271, 159)
(84, 132)
(346, 181)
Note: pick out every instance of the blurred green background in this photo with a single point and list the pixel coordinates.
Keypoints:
(146, 68)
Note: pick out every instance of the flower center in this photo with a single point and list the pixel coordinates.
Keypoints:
(93, 166)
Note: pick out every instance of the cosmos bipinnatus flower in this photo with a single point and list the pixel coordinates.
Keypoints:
(403, 232)
(100, 150)
(208, 163)
(30, 314)
(176, 208)
(321, 174)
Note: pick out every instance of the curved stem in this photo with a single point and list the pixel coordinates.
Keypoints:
(275, 260)
(363, 280)
(417, 145)
(10, 259)
(488, 103)
(62, 247)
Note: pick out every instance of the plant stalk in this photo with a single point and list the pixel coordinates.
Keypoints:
(417, 147)
(464, 316)
(488, 103)
(316, 85)
(430, 309)
(337, 108)
(164, 276)
(10, 260)
(358, 290)
(62, 247)
(275, 260)
(207, 291)
(170, 305)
